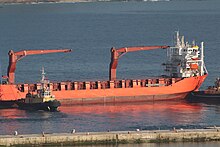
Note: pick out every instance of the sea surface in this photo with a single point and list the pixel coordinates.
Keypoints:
(91, 29)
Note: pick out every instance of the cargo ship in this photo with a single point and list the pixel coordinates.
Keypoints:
(185, 72)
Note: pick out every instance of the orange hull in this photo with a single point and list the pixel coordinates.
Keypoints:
(175, 90)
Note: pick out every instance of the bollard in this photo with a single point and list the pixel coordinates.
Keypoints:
(73, 131)
(15, 133)
(174, 129)
(43, 135)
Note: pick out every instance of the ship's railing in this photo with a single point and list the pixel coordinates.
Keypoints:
(92, 85)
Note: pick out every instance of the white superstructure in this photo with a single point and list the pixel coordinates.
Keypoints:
(184, 59)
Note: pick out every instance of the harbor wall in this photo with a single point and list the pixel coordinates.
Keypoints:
(85, 138)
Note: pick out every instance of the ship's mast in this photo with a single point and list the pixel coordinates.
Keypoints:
(42, 75)
(202, 59)
(43, 81)
(177, 43)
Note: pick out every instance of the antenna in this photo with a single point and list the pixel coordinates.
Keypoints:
(43, 75)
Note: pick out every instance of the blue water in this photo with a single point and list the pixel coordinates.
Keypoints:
(91, 29)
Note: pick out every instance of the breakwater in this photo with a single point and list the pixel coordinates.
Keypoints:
(116, 137)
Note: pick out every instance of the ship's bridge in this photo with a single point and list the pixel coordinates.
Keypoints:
(184, 59)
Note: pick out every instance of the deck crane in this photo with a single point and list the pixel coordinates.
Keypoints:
(117, 53)
(16, 56)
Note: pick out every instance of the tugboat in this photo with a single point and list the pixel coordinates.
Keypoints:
(42, 100)
(211, 94)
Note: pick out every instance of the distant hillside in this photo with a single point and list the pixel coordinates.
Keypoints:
(37, 1)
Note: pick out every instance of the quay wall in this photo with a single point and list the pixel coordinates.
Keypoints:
(194, 135)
